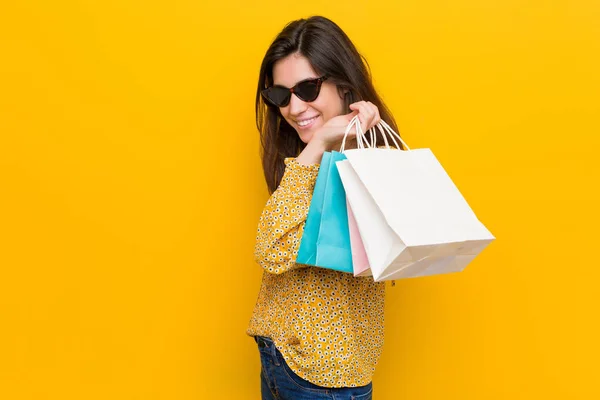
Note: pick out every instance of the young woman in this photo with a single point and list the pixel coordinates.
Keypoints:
(319, 331)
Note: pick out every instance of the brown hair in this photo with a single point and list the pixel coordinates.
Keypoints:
(329, 51)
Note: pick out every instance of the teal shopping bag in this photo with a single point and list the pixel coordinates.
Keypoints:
(326, 239)
(307, 253)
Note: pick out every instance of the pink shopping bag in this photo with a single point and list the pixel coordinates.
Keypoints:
(360, 263)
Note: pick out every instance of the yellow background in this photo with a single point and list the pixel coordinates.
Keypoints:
(130, 190)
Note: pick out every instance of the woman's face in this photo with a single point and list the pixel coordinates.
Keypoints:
(293, 69)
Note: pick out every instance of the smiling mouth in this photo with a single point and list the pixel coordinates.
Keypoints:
(306, 122)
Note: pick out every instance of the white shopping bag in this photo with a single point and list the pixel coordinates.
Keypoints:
(412, 219)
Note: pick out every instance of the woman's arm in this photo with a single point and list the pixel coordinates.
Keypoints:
(282, 221)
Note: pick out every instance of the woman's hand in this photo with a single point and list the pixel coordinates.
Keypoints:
(332, 132)
(368, 114)
(330, 136)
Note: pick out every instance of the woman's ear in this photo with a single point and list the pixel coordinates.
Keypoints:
(348, 99)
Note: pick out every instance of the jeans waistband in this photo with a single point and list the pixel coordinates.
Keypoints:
(267, 346)
(263, 341)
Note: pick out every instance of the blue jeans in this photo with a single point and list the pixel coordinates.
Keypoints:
(279, 382)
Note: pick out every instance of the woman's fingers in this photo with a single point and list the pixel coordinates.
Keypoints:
(377, 117)
(351, 115)
(362, 113)
(368, 114)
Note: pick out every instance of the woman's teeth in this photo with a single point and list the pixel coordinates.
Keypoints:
(306, 122)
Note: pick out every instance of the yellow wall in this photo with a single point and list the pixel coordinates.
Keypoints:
(130, 188)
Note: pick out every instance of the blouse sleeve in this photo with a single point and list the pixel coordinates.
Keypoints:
(282, 220)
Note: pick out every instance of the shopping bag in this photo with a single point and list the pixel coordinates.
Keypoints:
(360, 262)
(412, 218)
(327, 246)
(307, 253)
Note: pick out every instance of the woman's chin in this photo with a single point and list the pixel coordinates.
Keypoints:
(305, 139)
(307, 135)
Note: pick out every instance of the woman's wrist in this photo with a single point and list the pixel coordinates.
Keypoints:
(313, 152)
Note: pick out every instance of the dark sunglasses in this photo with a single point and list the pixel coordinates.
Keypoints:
(306, 90)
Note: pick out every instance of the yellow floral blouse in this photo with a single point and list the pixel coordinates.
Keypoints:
(328, 325)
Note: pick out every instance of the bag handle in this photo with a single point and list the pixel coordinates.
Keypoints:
(359, 134)
(362, 142)
(385, 128)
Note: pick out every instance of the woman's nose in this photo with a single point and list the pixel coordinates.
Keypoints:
(297, 106)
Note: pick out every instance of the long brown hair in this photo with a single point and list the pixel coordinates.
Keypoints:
(329, 51)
